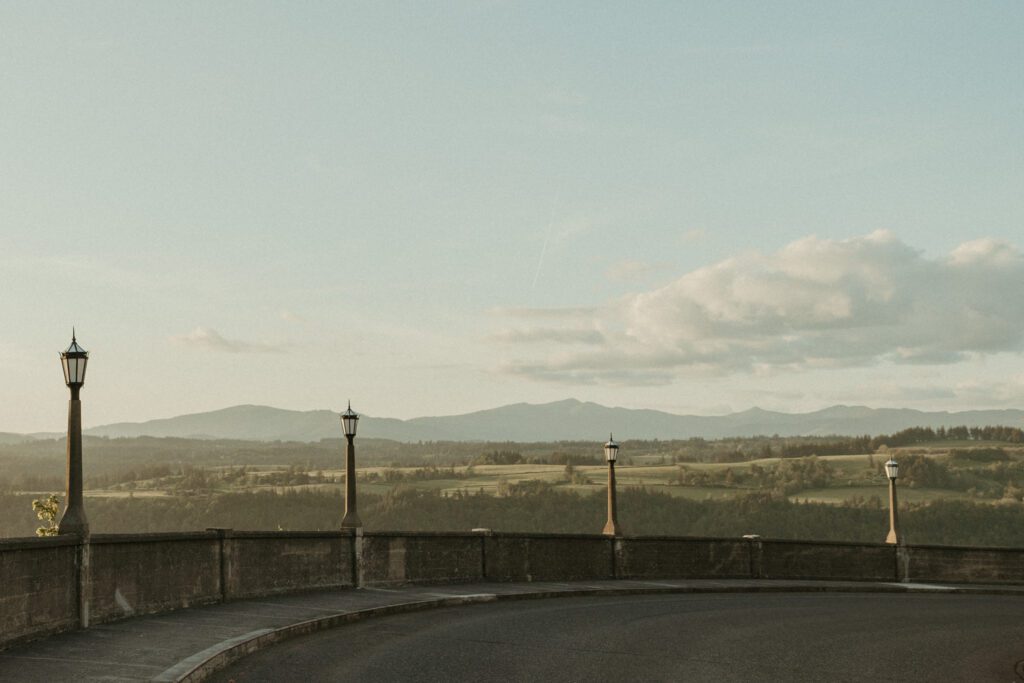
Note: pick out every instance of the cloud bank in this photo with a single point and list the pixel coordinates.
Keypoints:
(814, 303)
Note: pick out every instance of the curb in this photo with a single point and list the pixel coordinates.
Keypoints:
(203, 664)
(200, 665)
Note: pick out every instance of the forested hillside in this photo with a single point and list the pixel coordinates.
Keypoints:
(958, 486)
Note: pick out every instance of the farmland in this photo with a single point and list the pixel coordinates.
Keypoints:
(693, 486)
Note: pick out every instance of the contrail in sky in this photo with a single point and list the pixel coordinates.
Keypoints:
(547, 238)
(540, 261)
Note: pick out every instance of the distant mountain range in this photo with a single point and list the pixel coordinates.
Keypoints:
(558, 421)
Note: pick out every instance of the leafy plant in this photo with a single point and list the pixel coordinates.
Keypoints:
(46, 510)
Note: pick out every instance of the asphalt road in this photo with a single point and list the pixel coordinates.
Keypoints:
(695, 637)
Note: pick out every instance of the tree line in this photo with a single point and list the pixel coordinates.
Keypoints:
(539, 507)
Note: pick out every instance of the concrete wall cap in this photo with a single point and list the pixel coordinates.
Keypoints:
(104, 539)
(284, 535)
(420, 534)
(847, 544)
(38, 542)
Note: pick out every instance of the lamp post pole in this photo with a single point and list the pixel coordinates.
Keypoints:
(611, 453)
(891, 471)
(349, 420)
(73, 521)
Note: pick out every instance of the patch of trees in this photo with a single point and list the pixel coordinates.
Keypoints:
(539, 507)
(499, 458)
(786, 478)
(916, 435)
(794, 448)
(976, 455)
(392, 475)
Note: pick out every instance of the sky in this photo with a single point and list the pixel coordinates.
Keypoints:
(435, 208)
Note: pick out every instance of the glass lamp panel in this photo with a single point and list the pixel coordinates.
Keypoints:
(349, 419)
(64, 365)
(891, 469)
(611, 451)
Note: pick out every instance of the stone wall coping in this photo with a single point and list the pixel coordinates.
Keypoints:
(37, 542)
(688, 539)
(487, 534)
(284, 535)
(579, 537)
(848, 544)
(213, 535)
(34, 542)
(423, 534)
(161, 537)
(961, 548)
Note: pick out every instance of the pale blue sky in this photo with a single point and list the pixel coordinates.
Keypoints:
(433, 208)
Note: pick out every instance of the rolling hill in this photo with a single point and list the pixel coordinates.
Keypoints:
(562, 420)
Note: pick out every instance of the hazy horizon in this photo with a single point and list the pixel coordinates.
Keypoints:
(846, 420)
(439, 209)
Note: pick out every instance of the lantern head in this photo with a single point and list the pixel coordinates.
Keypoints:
(348, 420)
(892, 468)
(74, 360)
(611, 449)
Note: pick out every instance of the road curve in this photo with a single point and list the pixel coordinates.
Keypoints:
(690, 637)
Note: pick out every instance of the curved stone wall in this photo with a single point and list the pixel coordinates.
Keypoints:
(49, 585)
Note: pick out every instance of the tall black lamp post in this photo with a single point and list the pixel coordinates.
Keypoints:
(891, 470)
(74, 360)
(351, 520)
(611, 453)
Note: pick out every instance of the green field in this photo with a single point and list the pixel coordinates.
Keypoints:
(931, 474)
(822, 487)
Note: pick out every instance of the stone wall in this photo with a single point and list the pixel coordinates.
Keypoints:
(48, 585)
(682, 558)
(963, 565)
(133, 574)
(824, 561)
(265, 563)
(38, 587)
(396, 558)
(547, 557)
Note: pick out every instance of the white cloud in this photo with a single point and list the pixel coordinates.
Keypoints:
(814, 303)
(211, 340)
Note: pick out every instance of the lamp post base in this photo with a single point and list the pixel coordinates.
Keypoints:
(892, 539)
(351, 521)
(78, 527)
(612, 529)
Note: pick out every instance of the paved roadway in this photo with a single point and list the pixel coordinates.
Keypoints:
(690, 637)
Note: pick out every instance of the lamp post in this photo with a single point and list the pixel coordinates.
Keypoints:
(611, 453)
(891, 471)
(74, 360)
(351, 520)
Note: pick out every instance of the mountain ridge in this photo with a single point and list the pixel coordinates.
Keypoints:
(568, 419)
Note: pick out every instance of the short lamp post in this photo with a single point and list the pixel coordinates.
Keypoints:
(73, 521)
(891, 471)
(349, 420)
(611, 454)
